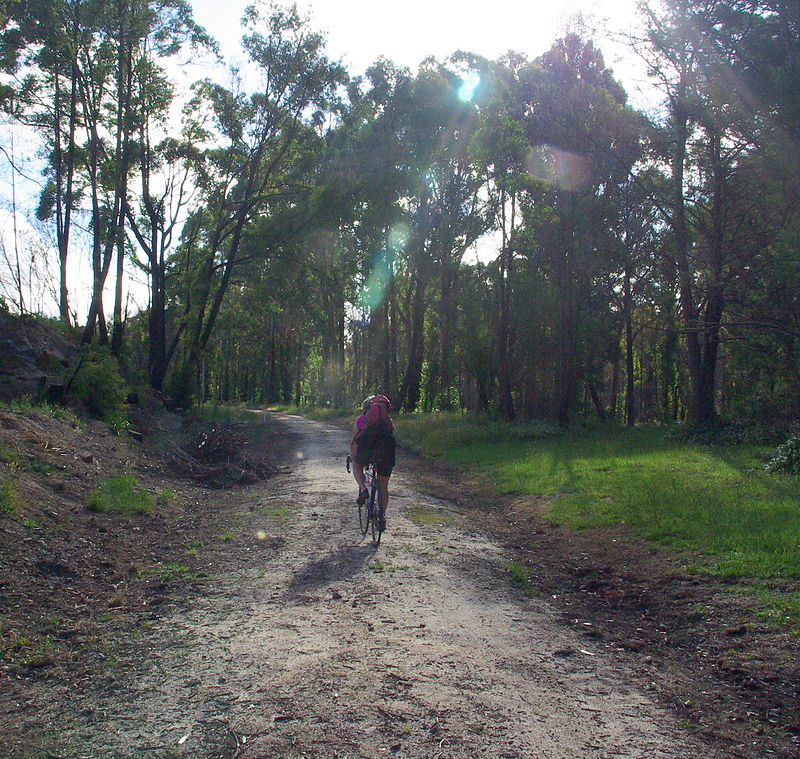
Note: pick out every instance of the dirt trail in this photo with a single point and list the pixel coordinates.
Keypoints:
(324, 646)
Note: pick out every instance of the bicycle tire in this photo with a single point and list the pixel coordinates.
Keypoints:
(363, 517)
(378, 523)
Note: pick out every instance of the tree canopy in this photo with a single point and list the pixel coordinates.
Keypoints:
(507, 235)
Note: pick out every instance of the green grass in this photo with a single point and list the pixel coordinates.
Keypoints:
(173, 570)
(8, 498)
(39, 466)
(425, 516)
(59, 413)
(519, 575)
(120, 494)
(715, 501)
(7, 455)
(282, 513)
(218, 412)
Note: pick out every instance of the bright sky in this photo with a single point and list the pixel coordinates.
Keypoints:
(360, 31)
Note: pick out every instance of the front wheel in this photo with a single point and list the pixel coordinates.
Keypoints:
(363, 517)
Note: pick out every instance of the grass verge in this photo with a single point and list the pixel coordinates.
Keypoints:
(714, 501)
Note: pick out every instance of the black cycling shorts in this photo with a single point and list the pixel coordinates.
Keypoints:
(378, 449)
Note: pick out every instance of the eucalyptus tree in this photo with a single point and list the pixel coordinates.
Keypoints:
(583, 140)
(261, 148)
(41, 45)
(720, 228)
(445, 214)
(502, 145)
(79, 61)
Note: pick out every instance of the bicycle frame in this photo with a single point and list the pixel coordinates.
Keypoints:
(372, 516)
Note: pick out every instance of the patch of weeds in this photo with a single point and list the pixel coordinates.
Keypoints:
(122, 495)
(377, 565)
(166, 497)
(8, 499)
(170, 571)
(519, 575)
(423, 515)
(96, 643)
(59, 413)
(119, 425)
(30, 523)
(7, 456)
(27, 651)
(226, 537)
(694, 569)
(39, 466)
(780, 608)
(193, 547)
(698, 612)
(282, 514)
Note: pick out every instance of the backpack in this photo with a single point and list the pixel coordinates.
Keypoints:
(376, 417)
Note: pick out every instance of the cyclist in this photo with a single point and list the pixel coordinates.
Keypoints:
(373, 440)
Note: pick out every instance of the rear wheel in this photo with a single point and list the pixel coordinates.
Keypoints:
(378, 517)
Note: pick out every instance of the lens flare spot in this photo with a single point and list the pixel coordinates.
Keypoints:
(261, 535)
(374, 289)
(469, 84)
(561, 168)
(398, 237)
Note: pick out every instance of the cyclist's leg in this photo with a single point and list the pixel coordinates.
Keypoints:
(385, 465)
(383, 485)
(359, 461)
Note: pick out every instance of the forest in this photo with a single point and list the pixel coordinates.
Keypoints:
(507, 236)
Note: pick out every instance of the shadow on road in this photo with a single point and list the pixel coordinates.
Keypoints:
(333, 567)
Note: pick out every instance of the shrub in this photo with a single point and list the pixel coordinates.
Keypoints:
(120, 494)
(98, 386)
(787, 457)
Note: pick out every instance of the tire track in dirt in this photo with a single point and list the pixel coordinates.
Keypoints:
(329, 647)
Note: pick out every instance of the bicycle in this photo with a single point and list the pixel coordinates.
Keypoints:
(371, 515)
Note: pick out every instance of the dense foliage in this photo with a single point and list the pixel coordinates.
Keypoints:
(313, 238)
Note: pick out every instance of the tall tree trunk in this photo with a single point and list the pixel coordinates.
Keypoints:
(118, 328)
(504, 338)
(698, 411)
(630, 379)
(410, 389)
